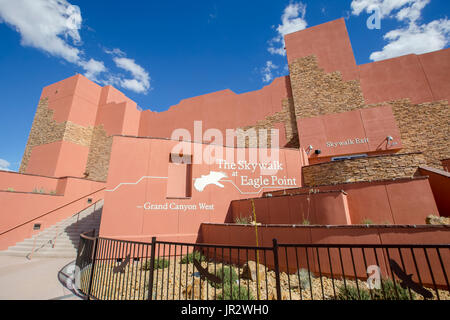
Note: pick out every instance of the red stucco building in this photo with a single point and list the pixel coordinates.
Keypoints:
(357, 144)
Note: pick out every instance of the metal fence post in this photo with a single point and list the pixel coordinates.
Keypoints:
(91, 278)
(152, 267)
(277, 268)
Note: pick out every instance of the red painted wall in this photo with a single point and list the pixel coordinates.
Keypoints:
(145, 180)
(440, 185)
(221, 110)
(26, 183)
(329, 42)
(446, 164)
(385, 202)
(20, 211)
(327, 208)
(373, 124)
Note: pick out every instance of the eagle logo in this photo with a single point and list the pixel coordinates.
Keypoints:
(213, 177)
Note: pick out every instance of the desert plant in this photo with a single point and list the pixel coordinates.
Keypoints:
(227, 275)
(304, 276)
(366, 221)
(160, 263)
(230, 286)
(391, 291)
(188, 258)
(41, 190)
(350, 292)
(388, 291)
(243, 220)
(53, 192)
(234, 292)
(10, 189)
(306, 222)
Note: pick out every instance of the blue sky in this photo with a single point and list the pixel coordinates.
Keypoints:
(160, 52)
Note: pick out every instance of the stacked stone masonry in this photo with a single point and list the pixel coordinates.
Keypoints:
(363, 169)
(423, 127)
(286, 117)
(46, 130)
(99, 154)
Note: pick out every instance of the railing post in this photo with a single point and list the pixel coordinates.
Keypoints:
(91, 277)
(277, 268)
(152, 267)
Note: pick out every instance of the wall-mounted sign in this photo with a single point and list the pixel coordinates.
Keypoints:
(176, 206)
(347, 142)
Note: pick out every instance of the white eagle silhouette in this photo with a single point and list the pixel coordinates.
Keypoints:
(212, 178)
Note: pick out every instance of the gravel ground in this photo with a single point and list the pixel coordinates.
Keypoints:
(174, 282)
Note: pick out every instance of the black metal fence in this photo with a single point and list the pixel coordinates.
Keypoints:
(109, 269)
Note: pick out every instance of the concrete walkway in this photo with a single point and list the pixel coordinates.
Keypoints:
(36, 279)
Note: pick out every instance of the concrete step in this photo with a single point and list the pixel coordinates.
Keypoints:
(58, 244)
(74, 235)
(82, 228)
(76, 224)
(26, 250)
(60, 232)
(40, 254)
(30, 242)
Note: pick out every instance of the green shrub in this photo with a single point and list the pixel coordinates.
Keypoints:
(159, 264)
(188, 258)
(367, 221)
(10, 189)
(41, 190)
(230, 285)
(306, 222)
(244, 220)
(304, 278)
(351, 293)
(233, 293)
(389, 292)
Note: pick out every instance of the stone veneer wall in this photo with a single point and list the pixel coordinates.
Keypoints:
(286, 116)
(423, 127)
(99, 154)
(46, 130)
(363, 169)
(317, 93)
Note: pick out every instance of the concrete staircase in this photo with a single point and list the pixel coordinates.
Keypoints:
(60, 240)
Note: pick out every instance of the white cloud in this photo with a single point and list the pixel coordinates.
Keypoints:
(413, 12)
(386, 6)
(4, 165)
(93, 68)
(267, 71)
(413, 37)
(140, 82)
(115, 51)
(46, 25)
(293, 19)
(53, 27)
